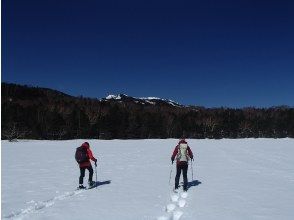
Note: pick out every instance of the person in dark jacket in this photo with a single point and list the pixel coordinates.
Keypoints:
(182, 153)
(87, 165)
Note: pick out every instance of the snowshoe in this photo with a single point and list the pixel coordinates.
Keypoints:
(92, 184)
(185, 188)
(176, 190)
(81, 187)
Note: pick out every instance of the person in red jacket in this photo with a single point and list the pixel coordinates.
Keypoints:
(87, 165)
(183, 154)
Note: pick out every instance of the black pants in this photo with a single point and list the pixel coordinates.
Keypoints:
(83, 169)
(184, 168)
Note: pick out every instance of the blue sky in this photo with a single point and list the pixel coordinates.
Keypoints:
(208, 53)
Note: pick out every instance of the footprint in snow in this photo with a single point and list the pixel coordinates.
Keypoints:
(181, 203)
(170, 207)
(163, 218)
(184, 195)
(177, 215)
(174, 198)
(178, 199)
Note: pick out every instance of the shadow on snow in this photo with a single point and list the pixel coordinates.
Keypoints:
(193, 183)
(98, 183)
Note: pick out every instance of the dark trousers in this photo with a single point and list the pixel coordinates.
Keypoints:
(181, 167)
(83, 169)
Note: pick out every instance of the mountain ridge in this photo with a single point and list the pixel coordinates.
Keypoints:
(42, 113)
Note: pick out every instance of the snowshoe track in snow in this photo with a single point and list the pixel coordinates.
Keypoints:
(184, 195)
(174, 197)
(36, 206)
(177, 215)
(174, 209)
(182, 203)
(170, 207)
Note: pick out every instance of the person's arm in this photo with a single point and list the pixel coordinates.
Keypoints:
(90, 154)
(190, 153)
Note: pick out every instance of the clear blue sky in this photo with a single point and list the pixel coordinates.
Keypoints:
(210, 53)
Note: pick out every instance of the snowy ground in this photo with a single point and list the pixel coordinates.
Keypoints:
(233, 179)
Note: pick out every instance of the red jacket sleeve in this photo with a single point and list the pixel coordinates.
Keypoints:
(90, 154)
(175, 152)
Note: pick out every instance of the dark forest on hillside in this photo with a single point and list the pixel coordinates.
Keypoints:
(39, 113)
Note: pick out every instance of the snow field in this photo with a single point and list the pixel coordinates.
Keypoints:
(233, 179)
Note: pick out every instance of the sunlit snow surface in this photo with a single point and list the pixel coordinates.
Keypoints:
(233, 179)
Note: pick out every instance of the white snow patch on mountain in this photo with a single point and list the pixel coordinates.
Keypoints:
(171, 102)
(150, 98)
(117, 97)
(142, 100)
(152, 103)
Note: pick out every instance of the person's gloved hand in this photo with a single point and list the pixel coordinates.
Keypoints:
(96, 163)
(172, 160)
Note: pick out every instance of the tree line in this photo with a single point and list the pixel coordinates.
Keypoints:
(39, 113)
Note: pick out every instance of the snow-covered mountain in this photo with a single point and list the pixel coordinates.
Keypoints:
(142, 100)
(229, 179)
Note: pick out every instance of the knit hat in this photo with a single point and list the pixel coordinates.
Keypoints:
(85, 144)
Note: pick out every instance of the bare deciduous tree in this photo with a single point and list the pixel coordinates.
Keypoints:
(14, 132)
